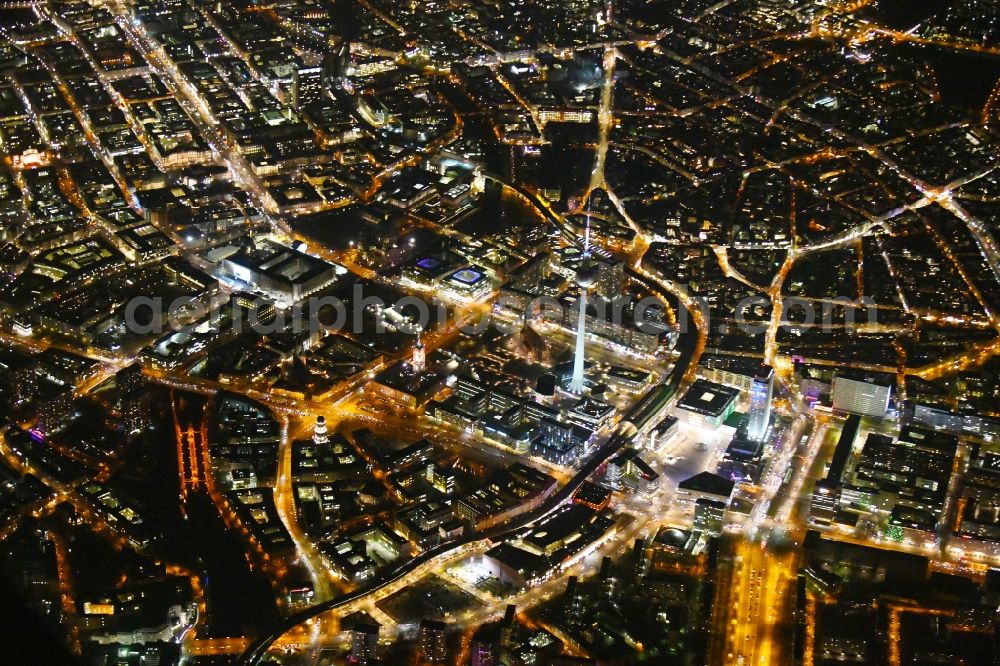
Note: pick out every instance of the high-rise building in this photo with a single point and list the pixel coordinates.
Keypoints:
(18, 372)
(708, 515)
(825, 500)
(432, 641)
(134, 402)
(306, 86)
(610, 279)
(485, 646)
(507, 627)
(860, 393)
(364, 633)
(335, 64)
(129, 381)
(761, 393)
(54, 406)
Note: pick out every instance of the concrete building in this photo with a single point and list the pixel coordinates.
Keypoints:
(708, 514)
(279, 272)
(432, 641)
(865, 394)
(179, 619)
(707, 404)
(707, 485)
(662, 433)
(364, 632)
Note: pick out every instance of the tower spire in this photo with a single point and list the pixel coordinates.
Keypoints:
(319, 430)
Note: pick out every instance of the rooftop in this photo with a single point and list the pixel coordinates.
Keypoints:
(708, 398)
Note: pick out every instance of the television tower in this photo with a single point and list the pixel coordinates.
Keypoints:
(586, 276)
(319, 431)
(419, 355)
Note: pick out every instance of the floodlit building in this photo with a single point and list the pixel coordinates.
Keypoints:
(282, 273)
(865, 394)
(707, 404)
(761, 393)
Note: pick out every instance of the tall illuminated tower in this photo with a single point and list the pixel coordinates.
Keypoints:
(319, 431)
(586, 276)
(761, 392)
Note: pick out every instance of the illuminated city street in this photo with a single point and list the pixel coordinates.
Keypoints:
(481, 333)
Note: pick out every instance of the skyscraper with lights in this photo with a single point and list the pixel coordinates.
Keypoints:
(761, 392)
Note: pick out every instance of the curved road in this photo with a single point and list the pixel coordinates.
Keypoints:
(615, 444)
(258, 649)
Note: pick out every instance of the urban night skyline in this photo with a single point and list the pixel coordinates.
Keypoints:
(499, 332)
